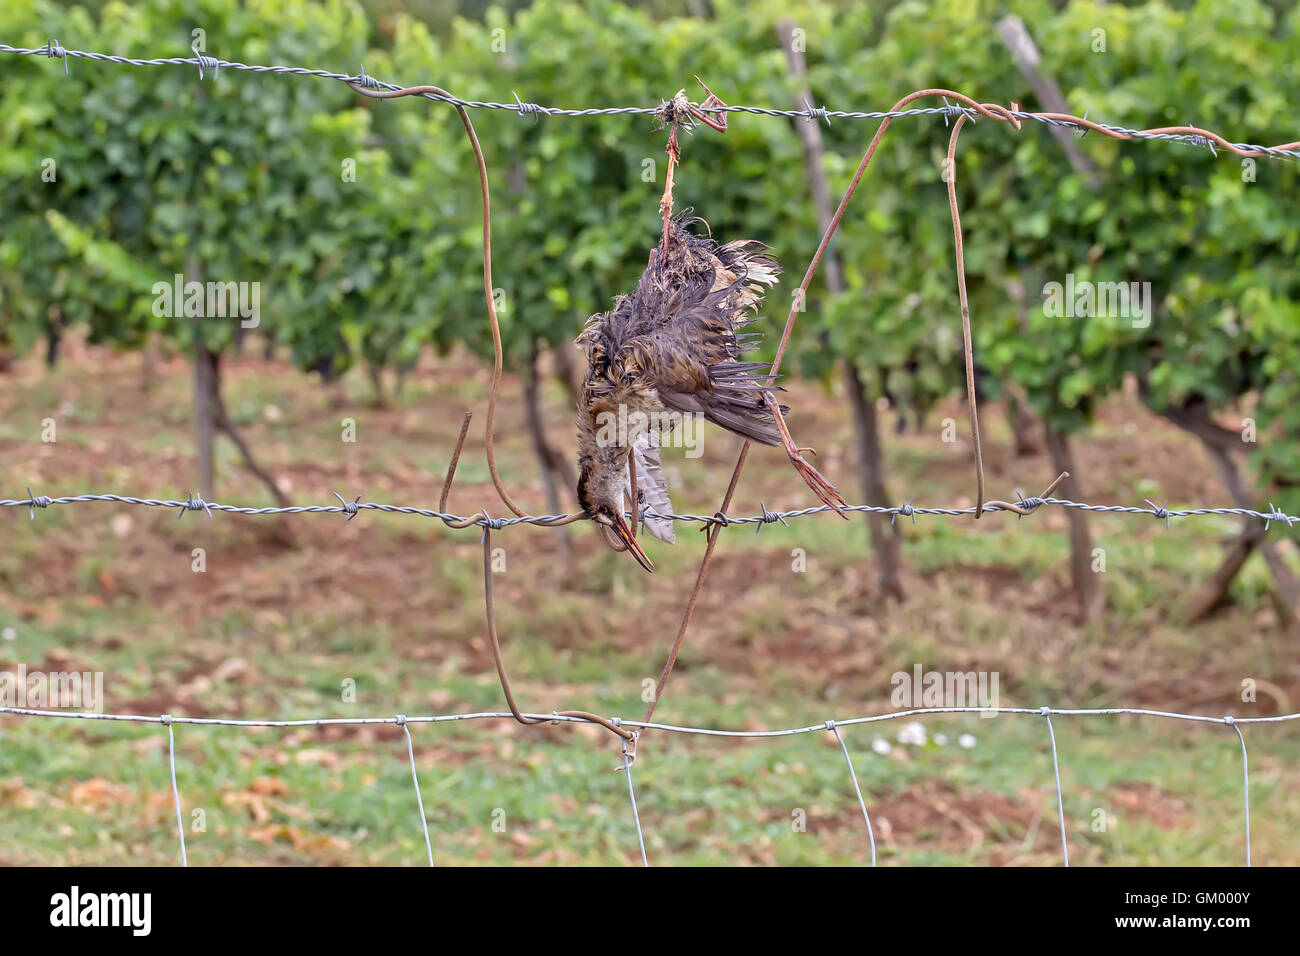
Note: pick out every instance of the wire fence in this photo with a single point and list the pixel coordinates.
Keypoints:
(628, 737)
(1192, 136)
(677, 112)
(1021, 507)
(628, 752)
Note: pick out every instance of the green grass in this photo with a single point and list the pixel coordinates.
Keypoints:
(273, 630)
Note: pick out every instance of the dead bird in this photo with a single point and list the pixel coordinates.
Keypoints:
(670, 348)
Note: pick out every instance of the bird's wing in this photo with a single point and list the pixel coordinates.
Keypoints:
(652, 487)
(734, 398)
(693, 359)
(726, 392)
(681, 333)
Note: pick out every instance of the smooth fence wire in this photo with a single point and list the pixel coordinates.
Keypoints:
(829, 725)
(176, 790)
(1060, 800)
(871, 833)
(628, 757)
(1245, 779)
(53, 50)
(400, 720)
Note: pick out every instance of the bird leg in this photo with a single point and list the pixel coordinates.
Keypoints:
(813, 478)
(710, 106)
(685, 111)
(666, 203)
(635, 495)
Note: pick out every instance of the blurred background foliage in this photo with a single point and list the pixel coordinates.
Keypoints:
(241, 177)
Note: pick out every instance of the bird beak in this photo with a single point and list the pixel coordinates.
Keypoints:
(625, 535)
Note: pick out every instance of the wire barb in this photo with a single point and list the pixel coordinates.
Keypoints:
(526, 109)
(906, 511)
(35, 502)
(950, 110)
(1197, 138)
(350, 508)
(815, 113)
(1275, 515)
(193, 502)
(212, 63)
(364, 81)
(768, 517)
(1160, 512)
(1027, 506)
(56, 52)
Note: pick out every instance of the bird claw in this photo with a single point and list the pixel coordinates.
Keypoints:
(710, 106)
(815, 480)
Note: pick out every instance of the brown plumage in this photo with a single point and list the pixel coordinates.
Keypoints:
(672, 347)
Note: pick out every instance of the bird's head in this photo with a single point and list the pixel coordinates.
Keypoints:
(601, 496)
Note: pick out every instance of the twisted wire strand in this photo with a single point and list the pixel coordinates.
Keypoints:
(1192, 136)
(1021, 508)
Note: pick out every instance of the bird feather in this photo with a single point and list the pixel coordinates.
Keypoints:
(652, 487)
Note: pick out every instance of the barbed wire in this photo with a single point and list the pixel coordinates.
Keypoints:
(628, 756)
(1192, 136)
(1021, 508)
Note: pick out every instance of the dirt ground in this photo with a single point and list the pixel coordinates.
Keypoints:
(289, 604)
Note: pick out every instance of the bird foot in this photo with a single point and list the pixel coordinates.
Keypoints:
(815, 480)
